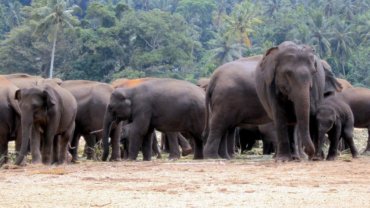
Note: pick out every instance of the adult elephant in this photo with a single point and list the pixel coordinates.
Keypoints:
(358, 100)
(167, 105)
(291, 82)
(173, 138)
(48, 118)
(231, 101)
(10, 118)
(92, 100)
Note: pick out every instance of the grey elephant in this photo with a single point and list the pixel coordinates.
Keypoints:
(92, 100)
(335, 118)
(48, 115)
(358, 99)
(10, 118)
(231, 101)
(291, 82)
(167, 105)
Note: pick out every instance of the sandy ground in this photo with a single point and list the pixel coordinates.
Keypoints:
(253, 181)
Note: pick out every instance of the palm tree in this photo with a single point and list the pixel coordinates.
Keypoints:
(56, 16)
(319, 27)
(342, 43)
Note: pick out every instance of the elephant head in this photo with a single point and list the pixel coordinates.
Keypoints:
(35, 104)
(288, 75)
(119, 109)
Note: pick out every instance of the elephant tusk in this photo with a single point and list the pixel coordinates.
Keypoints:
(96, 131)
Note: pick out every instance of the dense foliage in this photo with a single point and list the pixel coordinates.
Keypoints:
(185, 39)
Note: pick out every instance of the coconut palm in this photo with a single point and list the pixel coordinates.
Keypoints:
(56, 16)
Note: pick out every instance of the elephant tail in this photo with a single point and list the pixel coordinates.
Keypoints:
(208, 109)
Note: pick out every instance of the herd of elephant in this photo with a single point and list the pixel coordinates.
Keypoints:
(287, 97)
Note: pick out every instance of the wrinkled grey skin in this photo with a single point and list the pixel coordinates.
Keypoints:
(10, 117)
(48, 115)
(334, 118)
(92, 100)
(231, 101)
(291, 82)
(167, 105)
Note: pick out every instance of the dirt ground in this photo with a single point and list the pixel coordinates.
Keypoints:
(248, 181)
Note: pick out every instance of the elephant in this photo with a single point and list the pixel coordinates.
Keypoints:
(10, 118)
(291, 82)
(358, 99)
(48, 115)
(167, 105)
(265, 132)
(231, 101)
(92, 100)
(334, 117)
(173, 143)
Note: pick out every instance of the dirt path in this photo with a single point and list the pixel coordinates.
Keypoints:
(239, 183)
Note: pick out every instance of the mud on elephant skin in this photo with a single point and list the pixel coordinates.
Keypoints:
(291, 82)
(335, 118)
(167, 105)
(48, 118)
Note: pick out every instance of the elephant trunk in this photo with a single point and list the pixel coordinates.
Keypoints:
(319, 155)
(26, 135)
(302, 112)
(108, 120)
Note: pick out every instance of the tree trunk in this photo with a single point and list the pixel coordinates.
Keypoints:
(53, 52)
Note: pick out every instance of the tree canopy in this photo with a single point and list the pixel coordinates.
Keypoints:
(184, 39)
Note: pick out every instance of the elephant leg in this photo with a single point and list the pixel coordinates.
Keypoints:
(367, 149)
(35, 146)
(47, 145)
(214, 140)
(155, 146)
(74, 146)
(164, 143)
(223, 150)
(115, 140)
(184, 144)
(173, 145)
(198, 147)
(147, 146)
(348, 138)
(231, 142)
(64, 140)
(55, 152)
(90, 146)
(334, 136)
(138, 130)
(283, 145)
(3, 149)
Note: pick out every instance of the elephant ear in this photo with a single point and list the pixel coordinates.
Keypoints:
(17, 94)
(268, 64)
(49, 96)
(331, 83)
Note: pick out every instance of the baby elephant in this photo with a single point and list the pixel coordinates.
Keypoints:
(335, 118)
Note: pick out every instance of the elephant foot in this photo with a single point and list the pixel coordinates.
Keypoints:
(35, 161)
(117, 159)
(186, 152)
(355, 155)
(317, 158)
(159, 156)
(331, 158)
(283, 158)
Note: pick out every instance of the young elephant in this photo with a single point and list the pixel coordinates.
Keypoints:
(167, 105)
(48, 118)
(336, 119)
